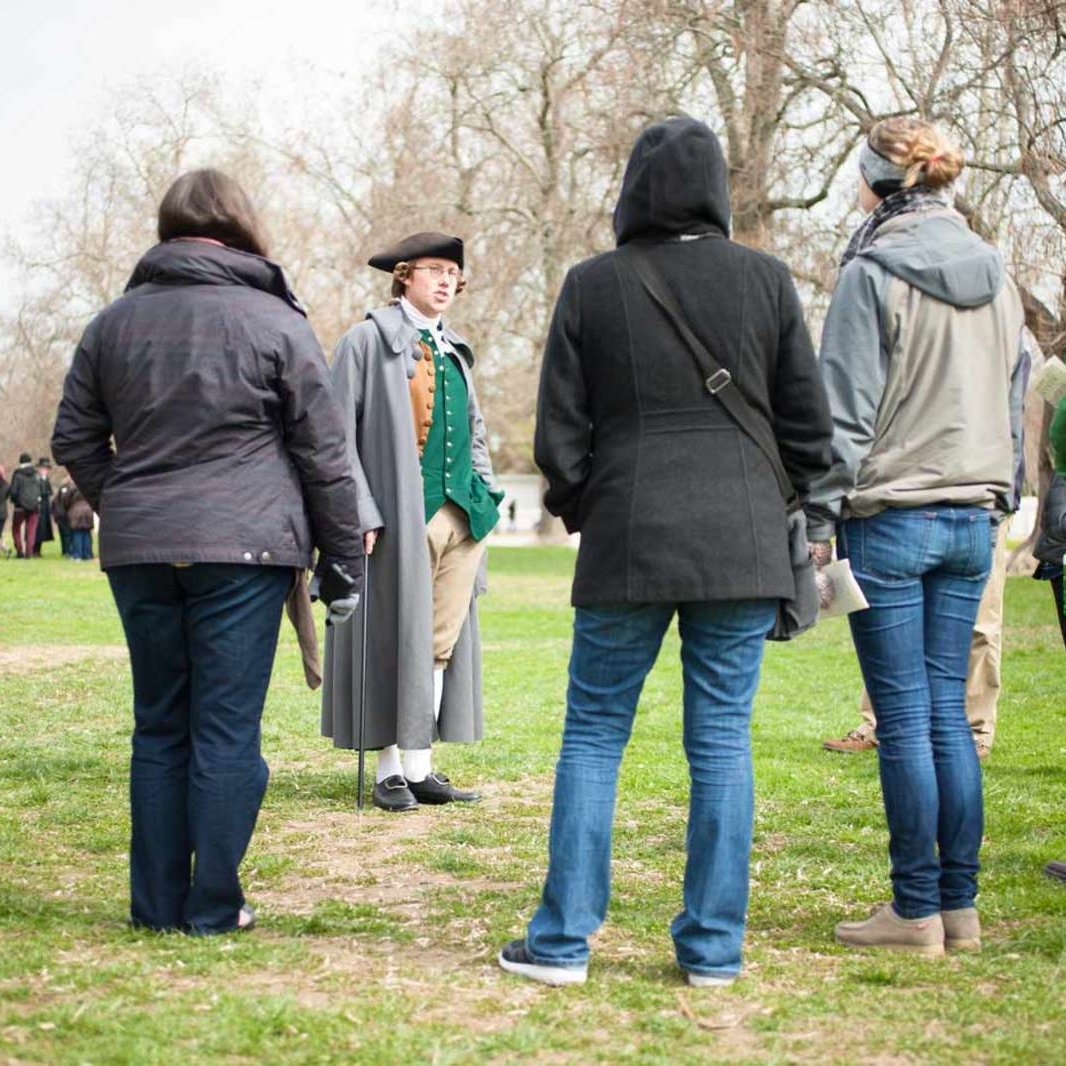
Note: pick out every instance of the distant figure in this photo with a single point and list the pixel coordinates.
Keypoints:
(5, 488)
(59, 511)
(983, 673)
(25, 492)
(44, 520)
(80, 526)
(205, 364)
(512, 512)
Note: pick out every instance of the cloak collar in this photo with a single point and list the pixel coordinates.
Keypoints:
(400, 336)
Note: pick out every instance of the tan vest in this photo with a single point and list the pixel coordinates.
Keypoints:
(422, 387)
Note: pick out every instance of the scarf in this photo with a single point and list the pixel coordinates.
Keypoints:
(903, 202)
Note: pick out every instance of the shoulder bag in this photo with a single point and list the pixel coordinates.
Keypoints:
(796, 615)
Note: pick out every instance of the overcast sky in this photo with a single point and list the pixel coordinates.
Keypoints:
(62, 57)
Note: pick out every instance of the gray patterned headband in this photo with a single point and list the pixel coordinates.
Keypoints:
(881, 174)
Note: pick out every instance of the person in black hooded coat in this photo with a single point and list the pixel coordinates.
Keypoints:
(679, 511)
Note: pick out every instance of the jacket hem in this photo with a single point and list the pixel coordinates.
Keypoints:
(171, 556)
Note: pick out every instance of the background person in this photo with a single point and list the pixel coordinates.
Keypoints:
(25, 493)
(1051, 549)
(984, 675)
(428, 501)
(45, 532)
(4, 490)
(922, 355)
(680, 513)
(79, 519)
(59, 512)
(205, 363)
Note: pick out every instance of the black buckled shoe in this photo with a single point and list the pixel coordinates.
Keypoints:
(436, 788)
(394, 794)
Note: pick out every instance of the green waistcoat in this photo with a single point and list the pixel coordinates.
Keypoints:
(447, 467)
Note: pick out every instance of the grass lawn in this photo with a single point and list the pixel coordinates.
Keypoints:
(378, 934)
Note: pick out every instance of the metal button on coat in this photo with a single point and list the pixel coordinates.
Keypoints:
(248, 557)
(265, 557)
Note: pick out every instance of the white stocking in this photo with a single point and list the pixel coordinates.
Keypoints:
(388, 762)
(417, 764)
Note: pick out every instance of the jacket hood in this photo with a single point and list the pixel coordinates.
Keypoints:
(936, 252)
(192, 262)
(676, 182)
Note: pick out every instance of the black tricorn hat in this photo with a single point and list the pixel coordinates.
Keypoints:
(419, 246)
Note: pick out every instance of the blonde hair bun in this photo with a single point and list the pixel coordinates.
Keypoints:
(927, 154)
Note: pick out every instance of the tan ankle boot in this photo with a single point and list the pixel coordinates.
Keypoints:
(962, 929)
(886, 929)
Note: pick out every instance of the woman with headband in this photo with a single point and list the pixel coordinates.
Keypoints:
(922, 359)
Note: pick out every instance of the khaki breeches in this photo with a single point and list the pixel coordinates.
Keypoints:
(454, 558)
(983, 677)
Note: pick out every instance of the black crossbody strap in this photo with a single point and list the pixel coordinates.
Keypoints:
(716, 379)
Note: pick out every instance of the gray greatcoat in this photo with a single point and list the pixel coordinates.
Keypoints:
(371, 367)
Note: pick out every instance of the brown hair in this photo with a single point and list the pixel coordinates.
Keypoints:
(401, 272)
(929, 157)
(208, 203)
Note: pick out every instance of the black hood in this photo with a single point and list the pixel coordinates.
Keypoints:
(676, 182)
(192, 262)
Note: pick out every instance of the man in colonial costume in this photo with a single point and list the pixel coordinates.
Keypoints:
(427, 501)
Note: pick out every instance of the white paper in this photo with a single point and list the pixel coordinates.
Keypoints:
(1050, 380)
(846, 594)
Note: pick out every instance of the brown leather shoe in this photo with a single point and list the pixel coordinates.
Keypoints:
(855, 741)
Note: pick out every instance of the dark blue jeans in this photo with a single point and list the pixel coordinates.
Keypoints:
(923, 571)
(614, 648)
(79, 544)
(202, 640)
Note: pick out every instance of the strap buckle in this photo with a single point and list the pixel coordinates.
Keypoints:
(718, 381)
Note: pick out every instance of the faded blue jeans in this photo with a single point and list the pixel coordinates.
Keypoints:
(923, 571)
(614, 648)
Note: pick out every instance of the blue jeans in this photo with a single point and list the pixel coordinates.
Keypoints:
(923, 571)
(614, 648)
(202, 641)
(80, 544)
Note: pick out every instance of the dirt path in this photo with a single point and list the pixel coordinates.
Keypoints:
(27, 656)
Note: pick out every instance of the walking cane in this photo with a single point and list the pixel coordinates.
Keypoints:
(362, 685)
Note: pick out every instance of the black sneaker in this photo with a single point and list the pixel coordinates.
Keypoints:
(392, 794)
(436, 788)
(515, 959)
(1057, 870)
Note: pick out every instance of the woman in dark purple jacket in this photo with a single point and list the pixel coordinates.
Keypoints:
(228, 466)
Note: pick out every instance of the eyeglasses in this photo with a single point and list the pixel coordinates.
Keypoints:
(451, 273)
